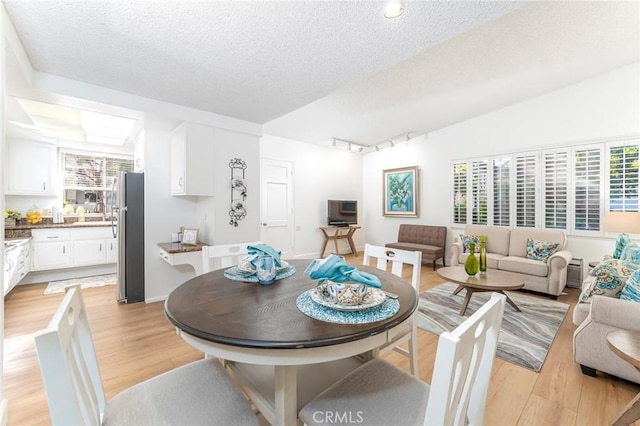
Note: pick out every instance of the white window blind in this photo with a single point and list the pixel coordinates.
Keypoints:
(556, 188)
(588, 178)
(459, 186)
(526, 190)
(479, 195)
(623, 177)
(501, 193)
(92, 172)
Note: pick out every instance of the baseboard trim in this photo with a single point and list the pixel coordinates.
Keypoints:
(155, 299)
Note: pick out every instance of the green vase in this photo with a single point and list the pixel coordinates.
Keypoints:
(483, 254)
(471, 265)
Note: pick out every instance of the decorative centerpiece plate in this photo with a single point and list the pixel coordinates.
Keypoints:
(249, 268)
(374, 297)
(236, 274)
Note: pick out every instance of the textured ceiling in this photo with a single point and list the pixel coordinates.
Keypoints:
(312, 70)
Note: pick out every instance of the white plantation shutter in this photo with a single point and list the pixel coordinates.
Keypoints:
(479, 194)
(501, 193)
(459, 185)
(587, 171)
(526, 166)
(556, 188)
(623, 176)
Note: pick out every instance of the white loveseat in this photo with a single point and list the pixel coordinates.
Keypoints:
(507, 251)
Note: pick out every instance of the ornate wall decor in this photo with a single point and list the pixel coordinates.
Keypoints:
(238, 191)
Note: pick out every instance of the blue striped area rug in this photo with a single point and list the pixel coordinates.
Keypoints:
(525, 337)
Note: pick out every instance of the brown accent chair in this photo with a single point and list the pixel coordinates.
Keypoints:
(430, 240)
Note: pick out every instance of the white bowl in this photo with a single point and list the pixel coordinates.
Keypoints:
(347, 294)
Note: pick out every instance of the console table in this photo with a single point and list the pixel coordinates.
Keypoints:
(336, 233)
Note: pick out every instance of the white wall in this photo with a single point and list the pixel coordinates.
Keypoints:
(319, 174)
(603, 108)
(229, 145)
(165, 214)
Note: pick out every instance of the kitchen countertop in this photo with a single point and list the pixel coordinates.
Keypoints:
(87, 224)
(23, 230)
(172, 248)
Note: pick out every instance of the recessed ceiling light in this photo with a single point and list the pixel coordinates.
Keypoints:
(393, 9)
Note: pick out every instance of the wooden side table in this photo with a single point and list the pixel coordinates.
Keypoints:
(626, 344)
(336, 233)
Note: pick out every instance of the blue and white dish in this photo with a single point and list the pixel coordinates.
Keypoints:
(374, 297)
(307, 306)
(236, 274)
(247, 267)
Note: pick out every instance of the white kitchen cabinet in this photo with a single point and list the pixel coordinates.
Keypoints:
(56, 248)
(138, 153)
(192, 148)
(112, 250)
(91, 246)
(89, 252)
(31, 168)
(17, 257)
(52, 255)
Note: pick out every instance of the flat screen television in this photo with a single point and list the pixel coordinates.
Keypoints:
(342, 212)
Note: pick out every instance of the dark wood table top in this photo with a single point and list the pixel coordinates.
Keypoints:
(217, 309)
(493, 279)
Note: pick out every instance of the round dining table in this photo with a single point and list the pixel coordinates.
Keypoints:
(249, 325)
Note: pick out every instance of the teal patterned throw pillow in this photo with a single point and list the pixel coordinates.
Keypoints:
(631, 253)
(621, 242)
(540, 250)
(611, 277)
(631, 290)
(467, 240)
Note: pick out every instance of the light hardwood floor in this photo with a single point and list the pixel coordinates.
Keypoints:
(135, 342)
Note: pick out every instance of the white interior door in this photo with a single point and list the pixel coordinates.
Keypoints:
(276, 205)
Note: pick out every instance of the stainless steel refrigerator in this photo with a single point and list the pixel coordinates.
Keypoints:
(127, 206)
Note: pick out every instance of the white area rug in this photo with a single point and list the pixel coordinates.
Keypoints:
(85, 282)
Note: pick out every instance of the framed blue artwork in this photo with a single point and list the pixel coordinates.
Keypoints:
(400, 194)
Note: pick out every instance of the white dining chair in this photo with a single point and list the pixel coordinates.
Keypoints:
(198, 393)
(382, 394)
(223, 256)
(394, 259)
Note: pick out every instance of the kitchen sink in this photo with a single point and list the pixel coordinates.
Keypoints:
(94, 223)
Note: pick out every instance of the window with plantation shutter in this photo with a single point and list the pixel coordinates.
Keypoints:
(501, 193)
(556, 188)
(623, 177)
(567, 188)
(479, 176)
(526, 190)
(459, 186)
(587, 172)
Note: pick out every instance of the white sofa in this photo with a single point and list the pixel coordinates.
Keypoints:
(595, 320)
(507, 251)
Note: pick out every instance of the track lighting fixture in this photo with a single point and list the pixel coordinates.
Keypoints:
(348, 145)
